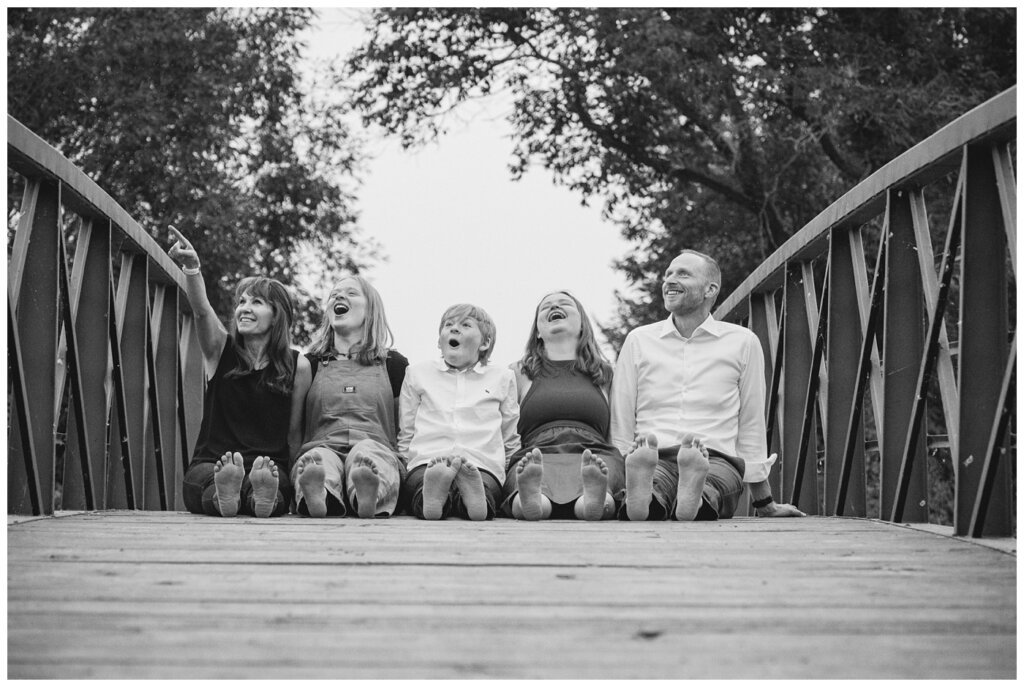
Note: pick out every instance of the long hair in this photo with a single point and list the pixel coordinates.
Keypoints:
(280, 375)
(376, 335)
(589, 358)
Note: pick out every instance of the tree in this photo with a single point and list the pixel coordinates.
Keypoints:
(718, 129)
(197, 118)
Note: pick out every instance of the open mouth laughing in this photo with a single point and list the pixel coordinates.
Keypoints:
(555, 315)
(340, 308)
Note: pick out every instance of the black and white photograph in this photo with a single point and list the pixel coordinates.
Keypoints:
(511, 343)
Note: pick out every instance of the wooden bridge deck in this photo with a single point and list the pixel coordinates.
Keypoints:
(149, 594)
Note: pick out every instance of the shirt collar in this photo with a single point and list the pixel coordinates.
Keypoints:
(709, 325)
(442, 366)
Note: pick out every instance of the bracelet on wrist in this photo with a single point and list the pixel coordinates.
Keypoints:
(191, 271)
(761, 503)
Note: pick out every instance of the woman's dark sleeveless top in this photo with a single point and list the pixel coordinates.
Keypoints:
(560, 394)
(242, 414)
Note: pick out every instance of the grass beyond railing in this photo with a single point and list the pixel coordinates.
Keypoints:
(853, 366)
(105, 380)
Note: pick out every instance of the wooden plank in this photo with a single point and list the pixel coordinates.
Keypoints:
(161, 594)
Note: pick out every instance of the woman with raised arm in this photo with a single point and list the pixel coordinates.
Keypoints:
(349, 460)
(252, 411)
(567, 467)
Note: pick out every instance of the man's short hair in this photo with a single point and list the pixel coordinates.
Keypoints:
(714, 272)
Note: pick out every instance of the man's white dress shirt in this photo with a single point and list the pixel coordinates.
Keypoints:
(471, 412)
(711, 384)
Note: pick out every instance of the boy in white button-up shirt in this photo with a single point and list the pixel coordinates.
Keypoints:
(457, 422)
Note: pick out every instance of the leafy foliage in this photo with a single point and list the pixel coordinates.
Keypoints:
(197, 118)
(722, 129)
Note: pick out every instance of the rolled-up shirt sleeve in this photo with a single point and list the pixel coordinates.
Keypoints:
(751, 440)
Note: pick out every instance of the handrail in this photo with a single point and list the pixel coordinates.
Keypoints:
(889, 340)
(107, 376)
(32, 157)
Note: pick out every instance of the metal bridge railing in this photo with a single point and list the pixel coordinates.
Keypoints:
(104, 369)
(105, 374)
(856, 313)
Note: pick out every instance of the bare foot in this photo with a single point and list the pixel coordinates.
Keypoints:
(264, 486)
(471, 490)
(310, 485)
(529, 473)
(227, 483)
(437, 482)
(366, 480)
(693, 469)
(640, 466)
(595, 486)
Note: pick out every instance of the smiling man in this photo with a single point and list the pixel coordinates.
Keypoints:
(687, 407)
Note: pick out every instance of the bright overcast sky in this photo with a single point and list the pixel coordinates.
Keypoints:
(456, 228)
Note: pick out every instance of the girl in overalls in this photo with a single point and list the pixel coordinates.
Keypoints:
(348, 460)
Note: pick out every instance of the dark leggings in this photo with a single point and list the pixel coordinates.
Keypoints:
(199, 494)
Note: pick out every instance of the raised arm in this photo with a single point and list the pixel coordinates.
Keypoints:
(211, 332)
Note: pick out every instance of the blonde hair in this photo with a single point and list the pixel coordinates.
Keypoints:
(376, 335)
(487, 328)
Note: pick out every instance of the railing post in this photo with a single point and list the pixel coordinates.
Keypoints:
(131, 313)
(903, 349)
(798, 351)
(164, 387)
(35, 294)
(764, 322)
(983, 342)
(190, 393)
(90, 281)
(846, 256)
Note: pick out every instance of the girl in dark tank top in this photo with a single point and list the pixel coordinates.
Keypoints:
(567, 467)
(252, 409)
